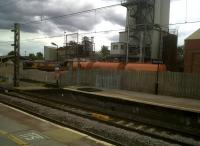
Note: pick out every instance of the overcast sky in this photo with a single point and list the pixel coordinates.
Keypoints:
(23, 11)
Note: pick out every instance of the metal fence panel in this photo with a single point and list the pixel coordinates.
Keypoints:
(170, 83)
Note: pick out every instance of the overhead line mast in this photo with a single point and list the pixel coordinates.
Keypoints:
(16, 45)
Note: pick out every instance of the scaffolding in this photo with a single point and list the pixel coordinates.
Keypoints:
(139, 27)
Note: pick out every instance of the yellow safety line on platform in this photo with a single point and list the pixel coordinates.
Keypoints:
(13, 138)
(3, 132)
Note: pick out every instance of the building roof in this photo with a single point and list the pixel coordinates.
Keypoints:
(195, 35)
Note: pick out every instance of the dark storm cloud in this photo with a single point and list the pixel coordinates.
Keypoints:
(114, 17)
(113, 0)
(30, 10)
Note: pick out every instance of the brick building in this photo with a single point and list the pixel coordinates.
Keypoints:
(192, 53)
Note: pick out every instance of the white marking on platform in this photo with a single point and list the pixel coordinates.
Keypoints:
(71, 130)
(31, 136)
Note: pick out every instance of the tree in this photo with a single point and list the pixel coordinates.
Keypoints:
(180, 58)
(180, 50)
(39, 56)
(104, 52)
(32, 56)
(72, 43)
(11, 53)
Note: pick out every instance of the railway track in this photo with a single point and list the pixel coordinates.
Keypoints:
(165, 135)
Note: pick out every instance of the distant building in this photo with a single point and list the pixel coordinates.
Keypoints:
(88, 44)
(192, 53)
(70, 51)
(118, 49)
(50, 53)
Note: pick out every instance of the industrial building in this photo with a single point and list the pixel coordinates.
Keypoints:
(118, 49)
(169, 52)
(49, 53)
(71, 50)
(192, 53)
(145, 28)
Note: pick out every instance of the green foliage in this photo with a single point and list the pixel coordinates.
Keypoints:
(104, 52)
(180, 50)
(11, 53)
(32, 56)
(38, 56)
(72, 43)
(180, 58)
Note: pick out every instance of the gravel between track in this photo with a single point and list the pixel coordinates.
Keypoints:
(122, 136)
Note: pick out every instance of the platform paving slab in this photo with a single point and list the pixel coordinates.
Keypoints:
(20, 129)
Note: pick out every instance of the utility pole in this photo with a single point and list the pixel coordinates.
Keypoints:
(16, 45)
(57, 68)
(128, 34)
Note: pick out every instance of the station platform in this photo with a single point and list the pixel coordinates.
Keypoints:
(185, 104)
(21, 129)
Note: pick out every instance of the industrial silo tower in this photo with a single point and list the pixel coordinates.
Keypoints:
(146, 20)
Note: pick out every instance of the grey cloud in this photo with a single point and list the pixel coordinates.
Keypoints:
(114, 38)
(28, 10)
(114, 17)
(113, 0)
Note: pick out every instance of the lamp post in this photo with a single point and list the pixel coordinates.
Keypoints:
(57, 68)
(56, 52)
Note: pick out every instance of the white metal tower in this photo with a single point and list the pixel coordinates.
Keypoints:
(144, 24)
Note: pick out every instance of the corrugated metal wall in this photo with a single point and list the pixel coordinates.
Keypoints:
(170, 83)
